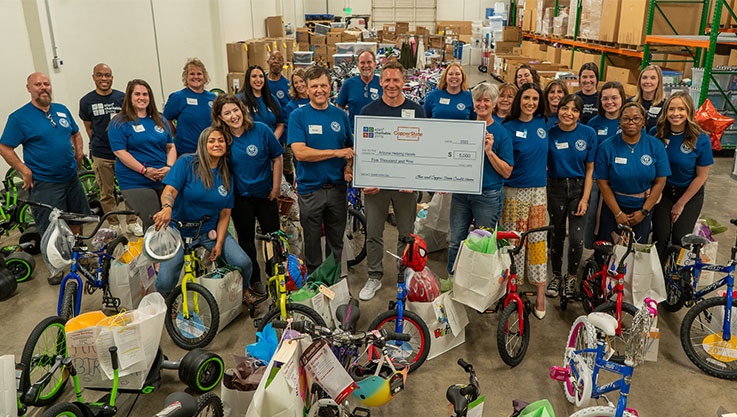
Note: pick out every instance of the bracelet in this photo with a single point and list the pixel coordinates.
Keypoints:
(620, 212)
(143, 169)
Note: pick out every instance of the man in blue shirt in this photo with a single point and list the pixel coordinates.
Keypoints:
(52, 153)
(322, 142)
(360, 90)
(278, 84)
(391, 104)
(96, 109)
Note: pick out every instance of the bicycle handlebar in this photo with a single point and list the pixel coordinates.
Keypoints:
(79, 217)
(314, 330)
(178, 404)
(630, 239)
(521, 236)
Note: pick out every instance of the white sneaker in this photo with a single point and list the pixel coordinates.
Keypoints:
(369, 290)
(136, 229)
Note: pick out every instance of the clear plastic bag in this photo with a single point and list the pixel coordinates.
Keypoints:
(101, 238)
(423, 286)
(57, 244)
(161, 245)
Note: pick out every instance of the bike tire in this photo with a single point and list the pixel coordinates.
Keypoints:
(63, 410)
(21, 265)
(675, 296)
(46, 339)
(31, 234)
(201, 370)
(590, 286)
(89, 185)
(356, 233)
(297, 312)
(69, 300)
(114, 248)
(581, 336)
(419, 343)
(512, 357)
(619, 342)
(600, 411)
(209, 317)
(209, 405)
(706, 319)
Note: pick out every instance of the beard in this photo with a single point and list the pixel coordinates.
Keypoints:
(44, 100)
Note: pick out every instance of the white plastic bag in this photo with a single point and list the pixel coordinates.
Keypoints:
(226, 285)
(57, 244)
(478, 280)
(643, 274)
(446, 320)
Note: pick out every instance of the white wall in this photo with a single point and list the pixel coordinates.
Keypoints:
(335, 7)
(464, 9)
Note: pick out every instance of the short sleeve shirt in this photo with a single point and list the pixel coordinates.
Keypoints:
(568, 152)
(590, 106)
(146, 142)
(504, 149)
(684, 160)
(604, 127)
(99, 110)
(193, 114)
(530, 142)
(251, 156)
(440, 104)
(280, 90)
(355, 94)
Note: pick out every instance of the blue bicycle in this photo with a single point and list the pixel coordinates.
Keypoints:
(706, 331)
(587, 353)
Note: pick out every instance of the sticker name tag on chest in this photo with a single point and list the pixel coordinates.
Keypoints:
(521, 134)
(60, 114)
(139, 128)
(315, 129)
(408, 113)
(621, 161)
(562, 145)
(191, 101)
(444, 101)
(603, 131)
(373, 90)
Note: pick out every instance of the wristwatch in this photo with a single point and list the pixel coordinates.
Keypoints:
(165, 205)
(645, 211)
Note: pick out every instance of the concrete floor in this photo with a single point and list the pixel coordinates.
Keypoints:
(672, 386)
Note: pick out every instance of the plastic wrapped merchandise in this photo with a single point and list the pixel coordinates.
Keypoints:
(57, 244)
(423, 286)
(590, 18)
(560, 22)
(161, 245)
(572, 18)
(101, 238)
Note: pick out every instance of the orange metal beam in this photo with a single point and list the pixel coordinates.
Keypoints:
(579, 44)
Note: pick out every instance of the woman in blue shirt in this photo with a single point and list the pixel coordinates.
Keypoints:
(256, 163)
(200, 185)
(689, 155)
(190, 107)
(524, 191)
(484, 209)
(554, 92)
(144, 150)
(298, 94)
(606, 125)
(261, 105)
(503, 107)
(630, 169)
(571, 155)
(451, 100)
(650, 94)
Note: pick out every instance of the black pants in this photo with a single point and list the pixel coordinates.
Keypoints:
(564, 194)
(666, 232)
(325, 209)
(245, 212)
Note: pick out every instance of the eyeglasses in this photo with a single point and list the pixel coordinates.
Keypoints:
(626, 120)
(51, 119)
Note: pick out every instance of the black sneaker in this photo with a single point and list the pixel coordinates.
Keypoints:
(56, 279)
(571, 286)
(554, 286)
(258, 288)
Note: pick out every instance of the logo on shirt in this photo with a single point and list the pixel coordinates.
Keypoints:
(280, 94)
(252, 150)
(542, 133)
(159, 129)
(646, 160)
(685, 149)
(368, 132)
(461, 106)
(222, 191)
(209, 103)
(63, 122)
(374, 96)
(581, 145)
(335, 126)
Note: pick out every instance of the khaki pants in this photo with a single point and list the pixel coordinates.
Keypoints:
(105, 174)
(377, 208)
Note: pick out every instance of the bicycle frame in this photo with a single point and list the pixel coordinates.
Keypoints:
(93, 281)
(401, 300)
(277, 282)
(190, 262)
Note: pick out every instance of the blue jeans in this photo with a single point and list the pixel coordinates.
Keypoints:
(589, 233)
(483, 210)
(170, 270)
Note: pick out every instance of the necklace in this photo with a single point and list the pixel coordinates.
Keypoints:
(632, 148)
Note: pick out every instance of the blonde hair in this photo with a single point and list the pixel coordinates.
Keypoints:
(299, 72)
(197, 63)
(504, 87)
(659, 94)
(443, 84)
(693, 130)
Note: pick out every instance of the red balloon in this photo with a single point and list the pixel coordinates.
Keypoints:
(713, 123)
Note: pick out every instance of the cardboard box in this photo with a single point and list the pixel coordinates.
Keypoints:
(504, 47)
(726, 18)
(258, 52)
(721, 59)
(608, 28)
(302, 35)
(464, 27)
(275, 27)
(436, 41)
(630, 90)
(237, 56)
(511, 34)
(527, 23)
(235, 81)
(320, 50)
(332, 50)
(553, 55)
(401, 27)
(732, 58)
(334, 37)
(421, 30)
(685, 18)
(352, 36)
(316, 39)
(623, 75)
(580, 58)
(291, 47)
(303, 47)
(565, 57)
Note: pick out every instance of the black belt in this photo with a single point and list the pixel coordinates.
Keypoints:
(328, 186)
(574, 179)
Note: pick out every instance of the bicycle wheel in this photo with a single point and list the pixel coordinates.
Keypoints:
(31, 235)
(199, 328)
(600, 411)
(63, 410)
(115, 248)
(21, 265)
(201, 370)
(619, 342)
(701, 338)
(90, 185)
(510, 341)
(69, 300)
(590, 286)
(413, 352)
(582, 336)
(356, 234)
(209, 405)
(296, 312)
(46, 342)
(675, 296)
(26, 218)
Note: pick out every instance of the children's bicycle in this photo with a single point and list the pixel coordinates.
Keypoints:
(461, 396)
(190, 322)
(400, 320)
(587, 353)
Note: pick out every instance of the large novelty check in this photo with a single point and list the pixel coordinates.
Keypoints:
(419, 154)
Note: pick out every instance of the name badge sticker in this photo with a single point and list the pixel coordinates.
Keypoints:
(603, 131)
(621, 161)
(315, 129)
(562, 145)
(408, 113)
(139, 128)
(444, 101)
(521, 134)
(373, 90)
(191, 101)
(60, 114)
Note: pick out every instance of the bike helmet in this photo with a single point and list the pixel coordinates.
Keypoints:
(161, 245)
(378, 382)
(423, 286)
(415, 254)
(296, 272)
(58, 244)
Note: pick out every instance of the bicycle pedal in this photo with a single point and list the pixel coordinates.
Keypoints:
(528, 293)
(559, 373)
(361, 412)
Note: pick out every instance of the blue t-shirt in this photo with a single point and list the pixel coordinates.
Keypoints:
(408, 109)
(684, 160)
(355, 94)
(590, 106)
(530, 140)
(497, 119)
(250, 161)
(569, 152)
(146, 142)
(193, 113)
(631, 169)
(604, 127)
(320, 129)
(280, 90)
(47, 147)
(99, 110)
(440, 104)
(504, 149)
(289, 108)
(552, 121)
(264, 115)
(194, 201)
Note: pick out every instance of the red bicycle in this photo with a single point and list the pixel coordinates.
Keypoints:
(513, 331)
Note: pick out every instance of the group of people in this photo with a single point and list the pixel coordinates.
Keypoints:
(588, 161)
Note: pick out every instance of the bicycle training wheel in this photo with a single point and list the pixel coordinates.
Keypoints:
(63, 410)
(197, 328)
(412, 353)
(582, 336)
(356, 233)
(32, 236)
(21, 265)
(618, 342)
(674, 294)
(297, 312)
(600, 411)
(201, 370)
(590, 286)
(510, 341)
(68, 300)
(701, 338)
(46, 343)
(209, 405)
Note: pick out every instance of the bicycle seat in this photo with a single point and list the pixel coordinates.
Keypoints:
(604, 247)
(458, 400)
(348, 315)
(692, 239)
(603, 322)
